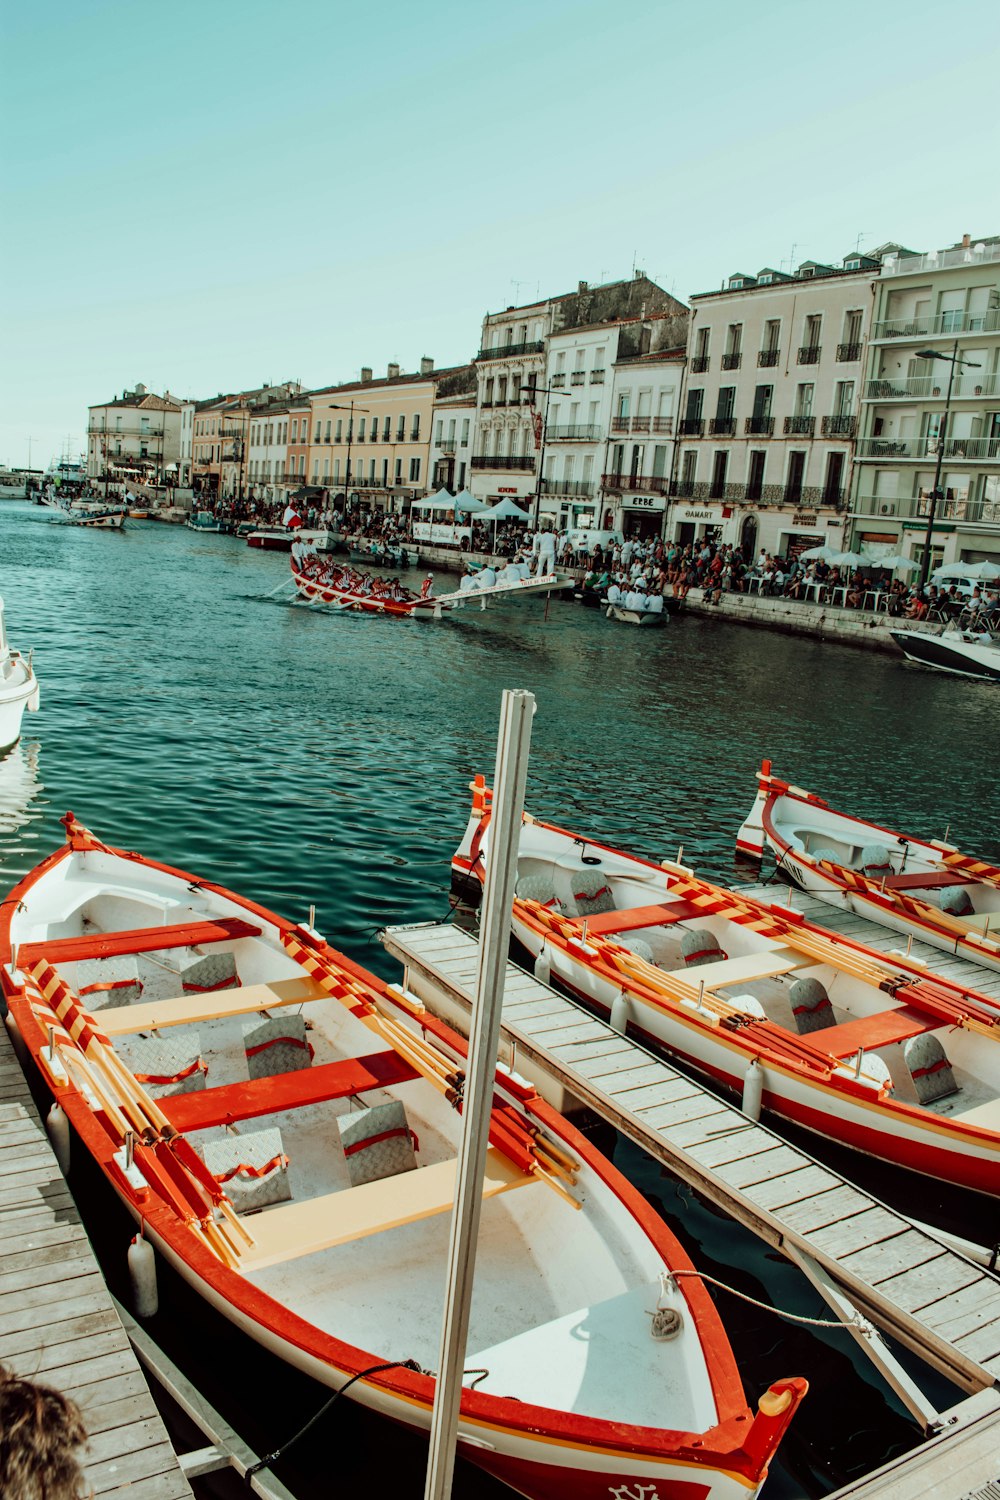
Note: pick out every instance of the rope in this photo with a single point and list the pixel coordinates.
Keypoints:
(271, 1458)
(856, 1322)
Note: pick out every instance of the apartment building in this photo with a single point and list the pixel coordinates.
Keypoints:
(186, 449)
(267, 451)
(553, 348)
(771, 405)
(220, 439)
(452, 420)
(372, 437)
(930, 408)
(136, 436)
(648, 375)
(297, 450)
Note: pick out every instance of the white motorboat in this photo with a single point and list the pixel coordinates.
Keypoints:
(18, 689)
(967, 653)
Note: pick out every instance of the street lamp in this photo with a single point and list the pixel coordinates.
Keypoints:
(529, 400)
(953, 360)
(350, 407)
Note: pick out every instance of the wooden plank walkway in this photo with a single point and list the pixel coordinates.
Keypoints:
(57, 1322)
(937, 1303)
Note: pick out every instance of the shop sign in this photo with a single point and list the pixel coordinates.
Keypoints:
(645, 502)
(803, 518)
(506, 489)
(699, 515)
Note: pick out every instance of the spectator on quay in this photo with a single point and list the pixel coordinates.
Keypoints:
(40, 1433)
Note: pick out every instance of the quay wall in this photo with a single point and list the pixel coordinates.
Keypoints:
(850, 627)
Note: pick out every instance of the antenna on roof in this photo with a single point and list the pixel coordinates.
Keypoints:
(517, 288)
(857, 242)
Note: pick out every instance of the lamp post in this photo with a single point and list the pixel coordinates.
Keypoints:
(953, 360)
(350, 407)
(529, 400)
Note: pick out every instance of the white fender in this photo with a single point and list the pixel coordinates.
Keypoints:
(543, 965)
(142, 1275)
(57, 1126)
(753, 1090)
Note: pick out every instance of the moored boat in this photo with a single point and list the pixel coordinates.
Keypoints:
(172, 1019)
(635, 607)
(966, 653)
(18, 689)
(377, 554)
(925, 888)
(865, 1048)
(203, 520)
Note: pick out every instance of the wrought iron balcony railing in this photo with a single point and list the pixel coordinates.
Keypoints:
(699, 364)
(809, 354)
(525, 462)
(768, 358)
(721, 426)
(800, 425)
(848, 353)
(581, 432)
(655, 483)
(513, 351)
(582, 488)
(759, 426)
(838, 426)
(732, 360)
(691, 426)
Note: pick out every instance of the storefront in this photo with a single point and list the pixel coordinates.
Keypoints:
(697, 523)
(642, 516)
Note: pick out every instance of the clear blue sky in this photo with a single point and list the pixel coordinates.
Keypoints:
(205, 197)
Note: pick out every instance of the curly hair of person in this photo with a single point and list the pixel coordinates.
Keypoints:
(40, 1431)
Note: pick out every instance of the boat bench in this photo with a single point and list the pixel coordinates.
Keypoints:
(870, 1032)
(315, 1224)
(749, 966)
(608, 923)
(929, 881)
(251, 1097)
(154, 1015)
(135, 940)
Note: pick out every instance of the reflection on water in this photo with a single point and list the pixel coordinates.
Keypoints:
(310, 758)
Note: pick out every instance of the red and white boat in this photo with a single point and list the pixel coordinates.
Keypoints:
(864, 1048)
(924, 888)
(173, 1019)
(328, 581)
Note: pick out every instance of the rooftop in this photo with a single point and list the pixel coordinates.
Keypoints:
(856, 263)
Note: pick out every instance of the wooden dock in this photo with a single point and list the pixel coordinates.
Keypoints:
(943, 1307)
(57, 1322)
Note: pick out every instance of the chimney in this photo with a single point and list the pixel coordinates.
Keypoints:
(582, 287)
(966, 241)
(426, 365)
(392, 372)
(366, 374)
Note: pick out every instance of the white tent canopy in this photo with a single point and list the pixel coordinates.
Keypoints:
(983, 570)
(818, 554)
(503, 510)
(436, 502)
(468, 503)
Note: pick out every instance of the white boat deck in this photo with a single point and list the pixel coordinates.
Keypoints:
(936, 1302)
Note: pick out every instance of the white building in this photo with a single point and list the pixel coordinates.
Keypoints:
(452, 422)
(185, 454)
(640, 453)
(267, 451)
(135, 437)
(916, 427)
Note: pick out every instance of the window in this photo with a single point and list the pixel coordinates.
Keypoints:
(734, 338)
(502, 391)
(371, 471)
(624, 402)
(689, 467)
(701, 343)
(844, 398)
(440, 433)
(415, 429)
(361, 429)
(804, 399)
(319, 428)
(399, 472)
(327, 437)
(386, 429)
(852, 326)
(465, 433)
(338, 436)
(814, 324)
(726, 403)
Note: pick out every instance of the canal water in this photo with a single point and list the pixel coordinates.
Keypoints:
(189, 710)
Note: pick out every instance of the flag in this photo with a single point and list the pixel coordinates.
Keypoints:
(291, 518)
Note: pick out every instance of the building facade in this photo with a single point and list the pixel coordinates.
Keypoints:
(771, 406)
(925, 418)
(643, 429)
(136, 437)
(545, 368)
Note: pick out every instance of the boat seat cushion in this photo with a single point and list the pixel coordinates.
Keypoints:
(748, 1005)
(251, 1168)
(377, 1142)
(164, 1065)
(107, 981)
(209, 971)
(956, 902)
(538, 888)
(810, 1006)
(637, 946)
(875, 861)
(590, 894)
(827, 856)
(699, 946)
(929, 1068)
(276, 1045)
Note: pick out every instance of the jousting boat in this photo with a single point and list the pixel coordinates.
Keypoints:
(862, 1047)
(926, 889)
(966, 653)
(18, 689)
(284, 1126)
(323, 581)
(101, 517)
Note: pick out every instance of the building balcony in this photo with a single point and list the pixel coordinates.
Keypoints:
(414, 436)
(579, 488)
(691, 426)
(699, 364)
(722, 426)
(931, 388)
(924, 449)
(938, 325)
(446, 445)
(809, 354)
(620, 424)
(663, 425)
(940, 260)
(558, 381)
(597, 377)
(848, 354)
(524, 462)
(800, 426)
(578, 377)
(579, 432)
(792, 494)
(839, 426)
(768, 358)
(759, 426)
(908, 507)
(656, 484)
(732, 361)
(513, 351)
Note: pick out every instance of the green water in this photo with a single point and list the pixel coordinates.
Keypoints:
(309, 759)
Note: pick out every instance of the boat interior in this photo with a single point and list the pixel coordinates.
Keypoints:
(339, 1155)
(916, 1057)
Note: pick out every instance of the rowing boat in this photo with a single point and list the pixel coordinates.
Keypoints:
(325, 581)
(861, 1047)
(925, 888)
(284, 1126)
(18, 689)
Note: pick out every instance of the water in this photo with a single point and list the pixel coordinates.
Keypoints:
(317, 759)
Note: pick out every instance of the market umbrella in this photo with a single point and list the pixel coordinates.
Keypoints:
(818, 554)
(848, 559)
(967, 570)
(895, 561)
(504, 509)
(469, 505)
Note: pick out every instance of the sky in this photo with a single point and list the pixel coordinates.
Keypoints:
(209, 197)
